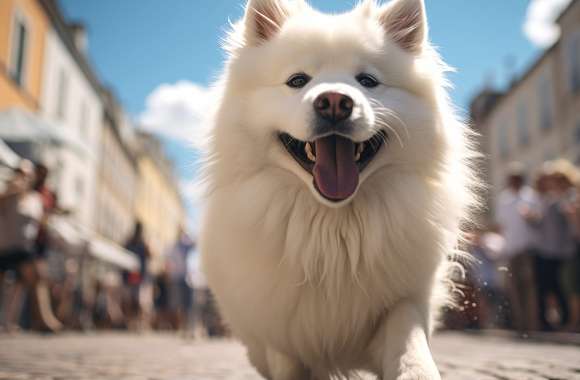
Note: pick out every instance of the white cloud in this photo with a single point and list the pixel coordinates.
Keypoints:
(177, 111)
(540, 26)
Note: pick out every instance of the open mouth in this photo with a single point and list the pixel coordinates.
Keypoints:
(334, 161)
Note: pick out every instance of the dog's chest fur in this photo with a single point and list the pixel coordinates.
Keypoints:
(312, 280)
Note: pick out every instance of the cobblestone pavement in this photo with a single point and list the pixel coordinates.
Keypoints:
(164, 357)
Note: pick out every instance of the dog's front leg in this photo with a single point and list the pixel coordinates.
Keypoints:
(283, 367)
(405, 353)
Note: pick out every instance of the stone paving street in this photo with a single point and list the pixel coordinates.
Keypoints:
(164, 357)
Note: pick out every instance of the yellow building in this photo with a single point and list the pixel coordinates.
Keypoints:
(23, 28)
(158, 205)
(117, 175)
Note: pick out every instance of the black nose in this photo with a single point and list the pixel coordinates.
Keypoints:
(333, 106)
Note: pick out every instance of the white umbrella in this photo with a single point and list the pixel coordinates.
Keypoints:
(21, 126)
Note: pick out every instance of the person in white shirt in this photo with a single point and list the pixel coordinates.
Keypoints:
(514, 211)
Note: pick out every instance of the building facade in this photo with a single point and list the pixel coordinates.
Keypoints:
(102, 171)
(71, 101)
(23, 28)
(117, 175)
(158, 204)
(568, 79)
(537, 118)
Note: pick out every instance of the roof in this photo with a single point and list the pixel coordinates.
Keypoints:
(531, 69)
(566, 10)
(112, 108)
(61, 26)
(517, 82)
(113, 113)
(483, 103)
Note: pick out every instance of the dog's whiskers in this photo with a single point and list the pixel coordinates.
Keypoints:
(386, 113)
(384, 124)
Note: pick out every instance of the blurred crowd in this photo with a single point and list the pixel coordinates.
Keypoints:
(525, 268)
(523, 274)
(45, 288)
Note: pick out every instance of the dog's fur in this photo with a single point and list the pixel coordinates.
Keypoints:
(316, 288)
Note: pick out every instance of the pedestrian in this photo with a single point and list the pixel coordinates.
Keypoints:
(43, 315)
(137, 280)
(516, 204)
(180, 291)
(162, 316)
(556, 243)
(572, 269)
(485, 247)
(20, 217)
(22, 223)
(205, 308)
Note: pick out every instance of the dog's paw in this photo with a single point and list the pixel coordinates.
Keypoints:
(414, 370)
(419, 373)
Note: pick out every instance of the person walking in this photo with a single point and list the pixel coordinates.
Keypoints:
(572, 268)
(557, 243)
(44, 318)
(516, 205)
(136, 281)
(485, 247)
(180, 291)
(20, 214)
(22, 217)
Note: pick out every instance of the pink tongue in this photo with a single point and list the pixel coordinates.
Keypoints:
(335, 171)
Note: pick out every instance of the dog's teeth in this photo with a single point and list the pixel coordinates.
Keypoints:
(309, 152)
(359, 149)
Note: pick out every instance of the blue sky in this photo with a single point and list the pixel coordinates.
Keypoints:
(138, 45)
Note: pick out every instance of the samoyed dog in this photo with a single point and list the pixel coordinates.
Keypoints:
(337, 178)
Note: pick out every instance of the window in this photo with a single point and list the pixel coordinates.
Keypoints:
(523, 133)
(62, 94)
(503, 142)
(573, 52)
(84, 119)
(545, 103)
(20, 37)
(80, 188)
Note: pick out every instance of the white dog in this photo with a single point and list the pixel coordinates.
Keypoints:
(337, 180)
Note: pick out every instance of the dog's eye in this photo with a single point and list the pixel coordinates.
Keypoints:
(367, 80)
(298, 80)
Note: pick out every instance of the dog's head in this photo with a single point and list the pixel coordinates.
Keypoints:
(334, 98)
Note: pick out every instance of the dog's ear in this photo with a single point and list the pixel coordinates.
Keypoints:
(406, 23)
(263, 19)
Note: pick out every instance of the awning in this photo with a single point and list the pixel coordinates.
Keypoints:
(7, 156)
(18, 125)
(71, 239)
(113, 254)
(66, 235)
